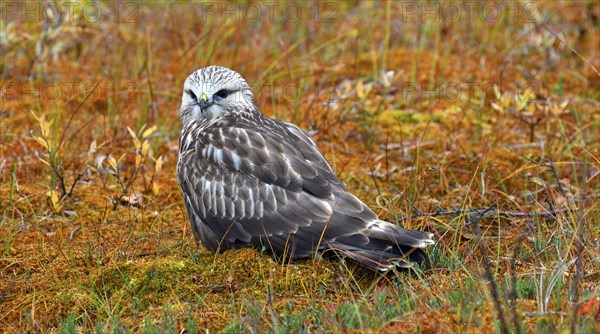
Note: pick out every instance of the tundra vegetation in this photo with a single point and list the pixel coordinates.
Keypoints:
(478, 122)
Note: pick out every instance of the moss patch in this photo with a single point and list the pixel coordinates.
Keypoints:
(211, 285)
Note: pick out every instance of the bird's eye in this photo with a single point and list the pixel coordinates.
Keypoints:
(192, 95)
(223, 93)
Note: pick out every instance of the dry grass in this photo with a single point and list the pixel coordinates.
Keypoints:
(482, 111)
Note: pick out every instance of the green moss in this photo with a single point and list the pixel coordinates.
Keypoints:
(209, 284)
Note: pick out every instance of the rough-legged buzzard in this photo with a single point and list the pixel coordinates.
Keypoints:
(252, 181)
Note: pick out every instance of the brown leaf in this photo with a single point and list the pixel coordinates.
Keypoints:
(136, 199)
(590, 309)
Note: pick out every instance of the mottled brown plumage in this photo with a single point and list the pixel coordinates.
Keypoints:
(252, 181)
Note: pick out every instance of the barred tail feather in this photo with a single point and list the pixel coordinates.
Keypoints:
(401, 257)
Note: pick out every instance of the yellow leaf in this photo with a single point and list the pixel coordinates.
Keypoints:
(564, 104)
(145, 147)
(45, 128)
(55, 202)
(58, 208)
(121, 158)
(92, 149)
(505, 100)
(44, 161)
(34, 115)
(360, 91)
(131, 133)
(42, 142)
(158, 164)
(528, 95)
(138, 161)
(137, 144)
(497, 92)
(149, 131)
(155, 188)
(112, 162)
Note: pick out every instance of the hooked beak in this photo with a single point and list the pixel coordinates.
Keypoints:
(203, 101)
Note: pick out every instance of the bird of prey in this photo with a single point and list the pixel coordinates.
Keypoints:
(252, 181)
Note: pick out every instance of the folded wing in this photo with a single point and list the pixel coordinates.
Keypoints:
(248, 183)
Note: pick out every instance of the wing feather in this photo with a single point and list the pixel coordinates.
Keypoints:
(241, 209)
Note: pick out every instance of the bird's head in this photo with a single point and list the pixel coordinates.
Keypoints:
(214, 91)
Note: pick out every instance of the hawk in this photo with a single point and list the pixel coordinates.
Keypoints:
(252, 181)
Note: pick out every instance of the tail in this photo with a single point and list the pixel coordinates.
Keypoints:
(382, 246)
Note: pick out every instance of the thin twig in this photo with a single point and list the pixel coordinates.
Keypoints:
(412, 205)
(77, 179)
(62, 136)
(550, 164)
(484, 213)
(59, 176)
